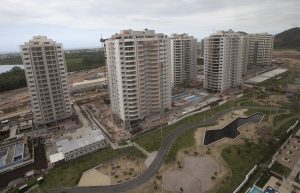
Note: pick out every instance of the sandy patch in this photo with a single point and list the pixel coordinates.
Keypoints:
(123, 168)
(195, 176)
(94, 178)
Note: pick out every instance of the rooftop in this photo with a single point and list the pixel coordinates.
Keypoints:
(56, 157)
(264, 76)
(67, 145)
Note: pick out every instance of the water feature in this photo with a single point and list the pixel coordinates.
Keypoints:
(230, 130)
(255, 190)
(178, 96)
(5, 68)
(192, 98)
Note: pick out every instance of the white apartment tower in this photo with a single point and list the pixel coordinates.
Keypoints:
(260, 47)
(183, 59)
(139, 73)
(46, 76)
(223, 60)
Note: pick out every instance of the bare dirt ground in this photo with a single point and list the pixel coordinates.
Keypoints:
(80, 76)
(274, 100)
(16, 100)
(103, 113)
(94, 177)
(289, 58)
(123, 168)
(287, 54)
(197, 173)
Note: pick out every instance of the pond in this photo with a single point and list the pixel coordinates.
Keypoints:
(231, 130)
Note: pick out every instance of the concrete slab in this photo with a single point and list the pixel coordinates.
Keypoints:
(264, 76)
(150, 158)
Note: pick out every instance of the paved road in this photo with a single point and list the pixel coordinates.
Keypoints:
(157, 162)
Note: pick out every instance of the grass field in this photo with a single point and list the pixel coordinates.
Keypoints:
(281, 131)
(286, 78)
(265, 112)
(249, 103)
(279, 118)
(76, 64)
(184, 141)
(70, 173)
(151, 141)
(241, 159)
(280, 169)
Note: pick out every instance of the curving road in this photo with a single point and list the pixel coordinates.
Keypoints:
(157, 162)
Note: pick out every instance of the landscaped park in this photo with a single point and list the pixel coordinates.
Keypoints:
(229, 159)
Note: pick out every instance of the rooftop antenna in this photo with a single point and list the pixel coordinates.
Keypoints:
(102, 40)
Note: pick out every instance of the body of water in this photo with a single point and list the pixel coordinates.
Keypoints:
(231, 130)
(5, 68)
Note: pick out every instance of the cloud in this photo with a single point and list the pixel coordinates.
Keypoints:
(197, 17)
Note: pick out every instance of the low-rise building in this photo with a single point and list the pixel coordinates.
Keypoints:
(15, 153)
(72, 149)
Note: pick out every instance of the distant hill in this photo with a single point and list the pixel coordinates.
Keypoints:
(289, 39)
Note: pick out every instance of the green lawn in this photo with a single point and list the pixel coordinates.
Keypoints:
(286, 78)
(151, 141)
(280, 169)
(70, 173)
(281, 131)
(264, 177)
(279, 118)
(240, 159)
(184, 141)
(265, 112)
(76, 64)
(250, 103)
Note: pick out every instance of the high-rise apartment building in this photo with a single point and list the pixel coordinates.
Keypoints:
(183, 59)
(259, 49)
(223, 60)
(46, 76)
(139, 74)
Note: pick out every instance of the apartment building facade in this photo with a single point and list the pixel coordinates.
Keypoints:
(139, 74)
(46, 75)
(259, 49)
(223, 60)
(183, 59)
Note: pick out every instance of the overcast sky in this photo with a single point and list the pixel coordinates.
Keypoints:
(80, 23)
